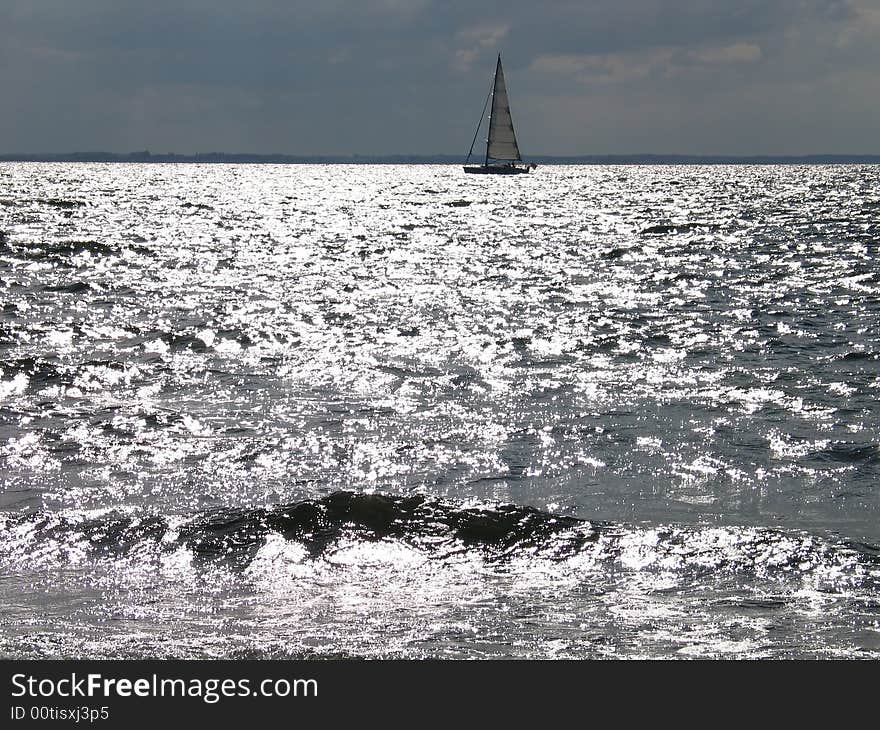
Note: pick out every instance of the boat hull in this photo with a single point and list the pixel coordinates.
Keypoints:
(498, 169)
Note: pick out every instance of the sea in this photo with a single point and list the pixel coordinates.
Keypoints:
(397, 411)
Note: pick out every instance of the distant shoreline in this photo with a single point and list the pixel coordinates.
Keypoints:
(279, 159)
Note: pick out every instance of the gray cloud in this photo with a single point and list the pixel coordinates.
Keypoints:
(384, 76)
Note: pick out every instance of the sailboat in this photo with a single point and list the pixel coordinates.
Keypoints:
(502, 151)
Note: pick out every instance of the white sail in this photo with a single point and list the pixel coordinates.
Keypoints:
(501, 144)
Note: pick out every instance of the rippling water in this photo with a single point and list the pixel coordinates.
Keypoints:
(391, 411)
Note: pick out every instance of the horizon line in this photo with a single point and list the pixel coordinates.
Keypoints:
(436, 158)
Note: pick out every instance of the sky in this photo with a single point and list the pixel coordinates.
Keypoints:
(738, 77)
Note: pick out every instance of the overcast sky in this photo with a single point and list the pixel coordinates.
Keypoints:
(410, 76)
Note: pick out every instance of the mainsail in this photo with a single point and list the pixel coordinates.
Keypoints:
(501, 144)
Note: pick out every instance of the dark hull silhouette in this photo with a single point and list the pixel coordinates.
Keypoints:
(499, 169)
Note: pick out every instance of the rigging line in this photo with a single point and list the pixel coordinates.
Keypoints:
(479, 124)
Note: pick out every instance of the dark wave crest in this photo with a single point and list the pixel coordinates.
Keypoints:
(441, 530)
(318, 523)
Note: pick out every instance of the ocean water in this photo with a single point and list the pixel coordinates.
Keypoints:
(398, 411)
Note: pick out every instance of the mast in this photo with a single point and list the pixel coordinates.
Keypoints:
(492, 111)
